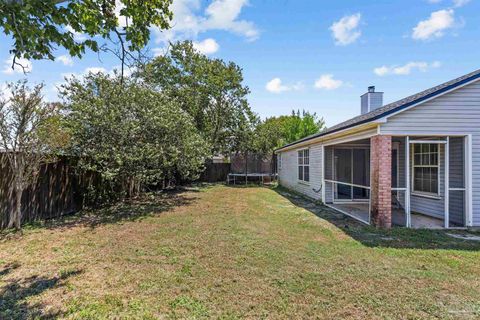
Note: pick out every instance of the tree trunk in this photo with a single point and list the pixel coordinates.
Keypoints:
(17, 190)
(11, 218)
(15, 219)
(131, 187)
(18, 207)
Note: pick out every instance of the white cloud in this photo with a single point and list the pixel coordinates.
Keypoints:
(345, 31)
(189, 20)
(86, 71)
(127, 71)
(327, 82)
(77, 36)
(456, 3)
(435, 25)
(95, 70)
(276, 86)
(122, 20)
(460, 3)
(298, 86)
(223, 15)
(406, 69)
(65, 59)
(207, 46)
(26, 64)
(381, 71)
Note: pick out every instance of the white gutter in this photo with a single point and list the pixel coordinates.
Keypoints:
(328, 136)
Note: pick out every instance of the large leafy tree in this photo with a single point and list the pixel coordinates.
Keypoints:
(38, 27)
(130, 134)
(210, 90)
(275, 132)
(30, 136)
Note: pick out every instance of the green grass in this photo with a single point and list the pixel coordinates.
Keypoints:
(233, 253)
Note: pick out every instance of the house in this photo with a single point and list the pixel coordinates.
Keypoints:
(414, 162)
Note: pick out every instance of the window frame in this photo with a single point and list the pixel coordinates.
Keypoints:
(279, 161)
(302, 166)
(437, 166)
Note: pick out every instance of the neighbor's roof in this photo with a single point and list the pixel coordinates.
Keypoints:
(394, 106)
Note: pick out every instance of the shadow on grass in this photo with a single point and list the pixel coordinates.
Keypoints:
(15, 293)
(397, 237)
(147, 205)
(9, 268)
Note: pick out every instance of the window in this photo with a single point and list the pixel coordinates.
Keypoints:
(426, 168)
(304, 165)
(279, 161)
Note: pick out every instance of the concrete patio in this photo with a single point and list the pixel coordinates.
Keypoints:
(359, 211)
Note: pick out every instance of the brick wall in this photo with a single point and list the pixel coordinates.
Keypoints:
(381, 176)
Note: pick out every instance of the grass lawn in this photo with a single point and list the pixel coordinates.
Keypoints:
(229, 253)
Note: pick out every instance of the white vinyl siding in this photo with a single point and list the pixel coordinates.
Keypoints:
(455, 113)
(288, 175)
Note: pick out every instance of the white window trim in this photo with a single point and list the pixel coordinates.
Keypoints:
(303, 181)
(432, 195)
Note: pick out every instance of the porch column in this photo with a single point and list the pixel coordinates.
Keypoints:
(381, 181)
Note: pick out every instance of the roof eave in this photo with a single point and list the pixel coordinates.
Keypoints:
(330, 136)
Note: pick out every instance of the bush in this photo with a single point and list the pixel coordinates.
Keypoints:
(130, 135)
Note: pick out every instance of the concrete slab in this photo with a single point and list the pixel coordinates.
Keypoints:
(465, 236)
(359, 211)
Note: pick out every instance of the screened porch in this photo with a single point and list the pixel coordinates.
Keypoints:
(428, 180)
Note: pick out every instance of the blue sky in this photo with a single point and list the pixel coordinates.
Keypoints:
(314, 55)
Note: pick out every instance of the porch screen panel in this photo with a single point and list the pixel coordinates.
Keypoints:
(328, 174)
(456, 161)
(394, 168)
(399, 216)
(456, 181)
(343, 172)
(456, 208)
(361, 172)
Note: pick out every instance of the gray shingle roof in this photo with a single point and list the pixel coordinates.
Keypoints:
(394, 106)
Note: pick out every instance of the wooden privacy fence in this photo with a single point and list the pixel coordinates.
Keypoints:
(60, 190)
(215, 172)
(53, 195)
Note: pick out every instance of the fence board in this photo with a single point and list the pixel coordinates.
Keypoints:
(53, 195)
(215, 172)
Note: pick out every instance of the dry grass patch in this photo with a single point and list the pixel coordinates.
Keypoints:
(230, 253)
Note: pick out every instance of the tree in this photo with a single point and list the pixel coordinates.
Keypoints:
(39, 27)
(300, 125)
(275, 132)
(30, 136)
(210, 90)
(130, 134)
